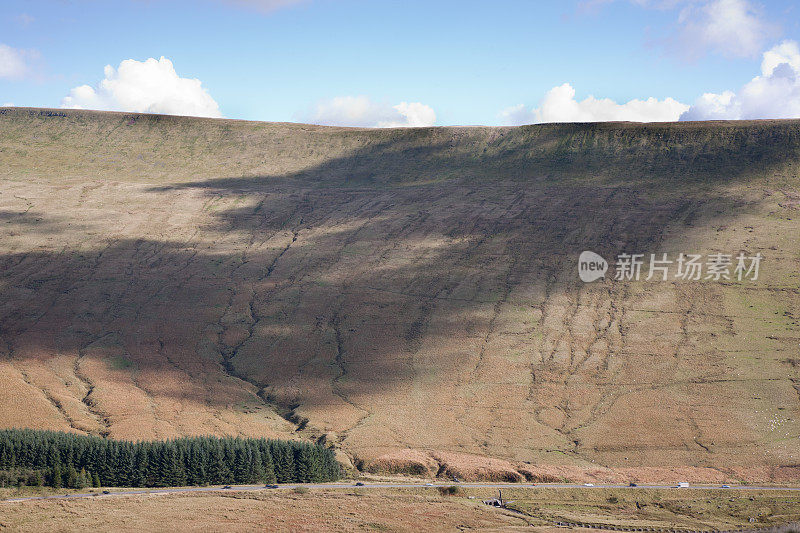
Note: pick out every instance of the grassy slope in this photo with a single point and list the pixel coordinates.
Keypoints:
(402, 289)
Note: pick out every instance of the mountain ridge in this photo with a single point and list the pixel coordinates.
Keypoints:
(409, 296)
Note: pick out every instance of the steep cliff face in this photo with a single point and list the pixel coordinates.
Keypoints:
(402, 289)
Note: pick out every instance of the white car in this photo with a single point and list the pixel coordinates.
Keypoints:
(588, 484)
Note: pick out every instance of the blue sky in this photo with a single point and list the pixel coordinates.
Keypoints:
(355, 61)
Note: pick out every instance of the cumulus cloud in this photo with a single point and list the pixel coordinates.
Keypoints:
(732, 27)
(560, 105)
(150, 86)
(773, 94)
(13, 62)
(362, 112)
(8, 104)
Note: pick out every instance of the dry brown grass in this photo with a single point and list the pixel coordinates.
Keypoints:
(683, 509)
(405, 290)
(317, 510)
(412, 509)
(468, 467)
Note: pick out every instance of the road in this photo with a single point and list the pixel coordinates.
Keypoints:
(371, 485)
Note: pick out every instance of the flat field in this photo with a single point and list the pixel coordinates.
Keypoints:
(413, 509)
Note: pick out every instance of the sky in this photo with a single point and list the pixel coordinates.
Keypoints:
(386, 63)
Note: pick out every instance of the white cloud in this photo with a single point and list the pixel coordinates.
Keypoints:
(362, 112)
(787, 52)
(773, 94)
(13, 63)
(414, 115)
(735, 28)
(150, 86)
(560, 105)
(732, 27)
(8, 104)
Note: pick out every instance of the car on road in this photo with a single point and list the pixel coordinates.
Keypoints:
(632, 484)
(106, 492)
(270, 486)
(725, 486)
(359, 484)
(429, 484)
(588, 484)
(226, 487)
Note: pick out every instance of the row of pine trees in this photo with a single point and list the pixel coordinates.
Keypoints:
(61, 459)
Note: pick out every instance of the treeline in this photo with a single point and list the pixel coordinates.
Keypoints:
(57, 459)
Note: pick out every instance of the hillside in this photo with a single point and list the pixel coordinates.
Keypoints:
(411, 296)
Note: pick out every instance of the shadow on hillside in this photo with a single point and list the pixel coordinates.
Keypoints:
(337, 273)
(660, 156)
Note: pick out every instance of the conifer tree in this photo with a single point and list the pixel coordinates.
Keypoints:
(72, 477)
(55, 477)
(79, 460)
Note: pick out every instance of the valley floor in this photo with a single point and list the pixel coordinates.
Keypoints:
(386, 508)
